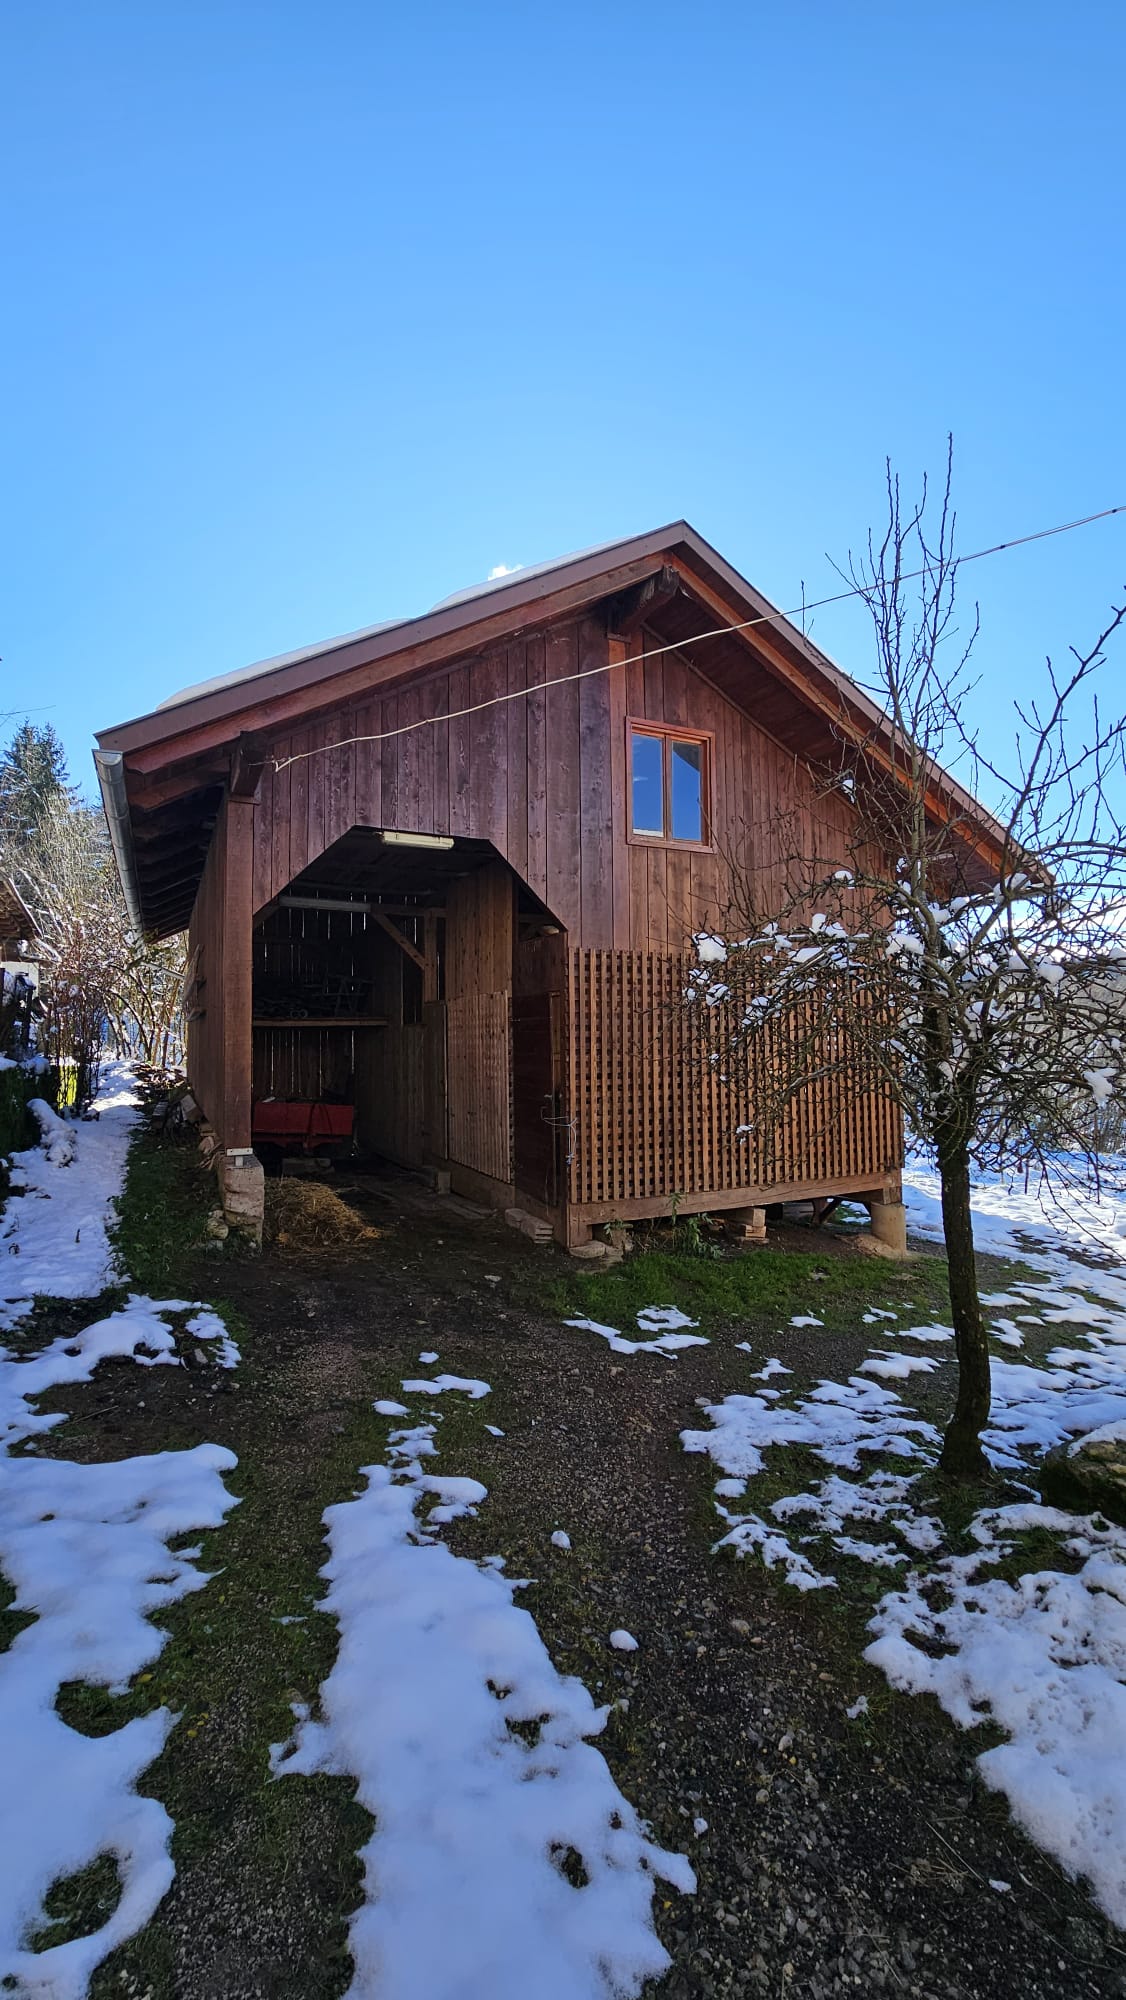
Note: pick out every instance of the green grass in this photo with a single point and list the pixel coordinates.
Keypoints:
(162, 1209)
(79, 1904)
(749, 1284)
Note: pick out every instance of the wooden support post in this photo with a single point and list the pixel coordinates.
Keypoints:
(430, 955)
(746, 1225)
(889, 1225)
(235, 996)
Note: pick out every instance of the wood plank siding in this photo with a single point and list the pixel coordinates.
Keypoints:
(544, 778)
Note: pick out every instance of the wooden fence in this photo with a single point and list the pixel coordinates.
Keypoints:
(651, 1116)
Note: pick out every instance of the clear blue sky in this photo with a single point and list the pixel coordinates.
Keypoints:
(314, 313)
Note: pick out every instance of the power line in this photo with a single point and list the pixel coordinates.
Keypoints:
(676, 646)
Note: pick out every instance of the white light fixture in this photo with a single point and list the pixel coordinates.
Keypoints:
(443, 840)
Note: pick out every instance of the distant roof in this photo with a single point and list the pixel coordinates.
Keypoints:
(16, 919)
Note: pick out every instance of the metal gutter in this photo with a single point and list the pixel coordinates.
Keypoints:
(111, 777)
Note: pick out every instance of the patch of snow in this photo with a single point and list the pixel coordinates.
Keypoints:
(665, 1343)
(750, 1532)
(56, 1136)
(560, 1539)
(699, 1827)
(1045, 1659)
(838, 1421)
(207, 1326)
(494, 1430)
(428, 1357)
(437, 1671)
(897, 1367)
(663, 1319)
(85, 1549)
(806, 1319)
(54, 1233)
(467, 1384)
(139, 1332)
(386, 1407)
(623, 1641)
(859, 1707)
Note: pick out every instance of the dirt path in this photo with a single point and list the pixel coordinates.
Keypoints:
(840, 1856)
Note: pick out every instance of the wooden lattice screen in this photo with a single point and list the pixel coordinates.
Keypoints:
(651, 1117)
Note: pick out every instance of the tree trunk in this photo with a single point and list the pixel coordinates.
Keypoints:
(962, 1454)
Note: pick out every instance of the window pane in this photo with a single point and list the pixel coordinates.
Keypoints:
(648, 788)
(687, 790)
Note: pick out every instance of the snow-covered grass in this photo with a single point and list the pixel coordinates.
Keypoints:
(140, 1331)
(504, 1859)
(85, 1550)
(1044, 1657)
(55, 1231)
(1019, 1617)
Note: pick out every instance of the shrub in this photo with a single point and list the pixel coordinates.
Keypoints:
(18, 1085)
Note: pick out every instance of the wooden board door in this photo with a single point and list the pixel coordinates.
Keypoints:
(478, 1083)
(537, 1095)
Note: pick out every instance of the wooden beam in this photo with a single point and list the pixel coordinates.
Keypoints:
(147, 793)
(403, 943)
(248, 760)
(151, 830)
(637, 606)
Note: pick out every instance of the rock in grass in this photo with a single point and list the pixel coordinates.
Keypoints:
(1089, 1475)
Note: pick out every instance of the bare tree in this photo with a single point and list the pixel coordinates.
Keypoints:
(103, 987)
(979, 982)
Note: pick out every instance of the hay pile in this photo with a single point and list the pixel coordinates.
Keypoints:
(308, 1215)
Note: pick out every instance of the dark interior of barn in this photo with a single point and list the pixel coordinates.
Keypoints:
(384, 1025)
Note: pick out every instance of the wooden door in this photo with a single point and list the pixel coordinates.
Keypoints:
(537, 1095)
(478, 1083)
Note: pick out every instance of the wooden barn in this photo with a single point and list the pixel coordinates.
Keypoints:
(440, 880)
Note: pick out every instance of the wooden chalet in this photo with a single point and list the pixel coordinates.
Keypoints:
(440, 880)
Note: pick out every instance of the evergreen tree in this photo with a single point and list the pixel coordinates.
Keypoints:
(33, 779)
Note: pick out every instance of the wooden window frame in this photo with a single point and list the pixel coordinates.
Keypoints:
(672, 732)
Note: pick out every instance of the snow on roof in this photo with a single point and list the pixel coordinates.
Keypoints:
(279, 660)
(519, 573)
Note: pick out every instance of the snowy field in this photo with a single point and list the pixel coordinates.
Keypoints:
(85, 1549)
(1042, 1656)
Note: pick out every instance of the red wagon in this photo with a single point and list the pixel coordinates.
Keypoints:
(301, 1125)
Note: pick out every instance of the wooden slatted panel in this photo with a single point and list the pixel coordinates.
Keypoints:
(652, 1116)
(479, 1073)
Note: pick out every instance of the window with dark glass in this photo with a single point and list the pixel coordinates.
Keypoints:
(668, 785)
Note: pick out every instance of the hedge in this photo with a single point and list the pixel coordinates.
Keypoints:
(18, 1086)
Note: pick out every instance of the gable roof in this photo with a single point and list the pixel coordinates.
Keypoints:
(181, 753)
